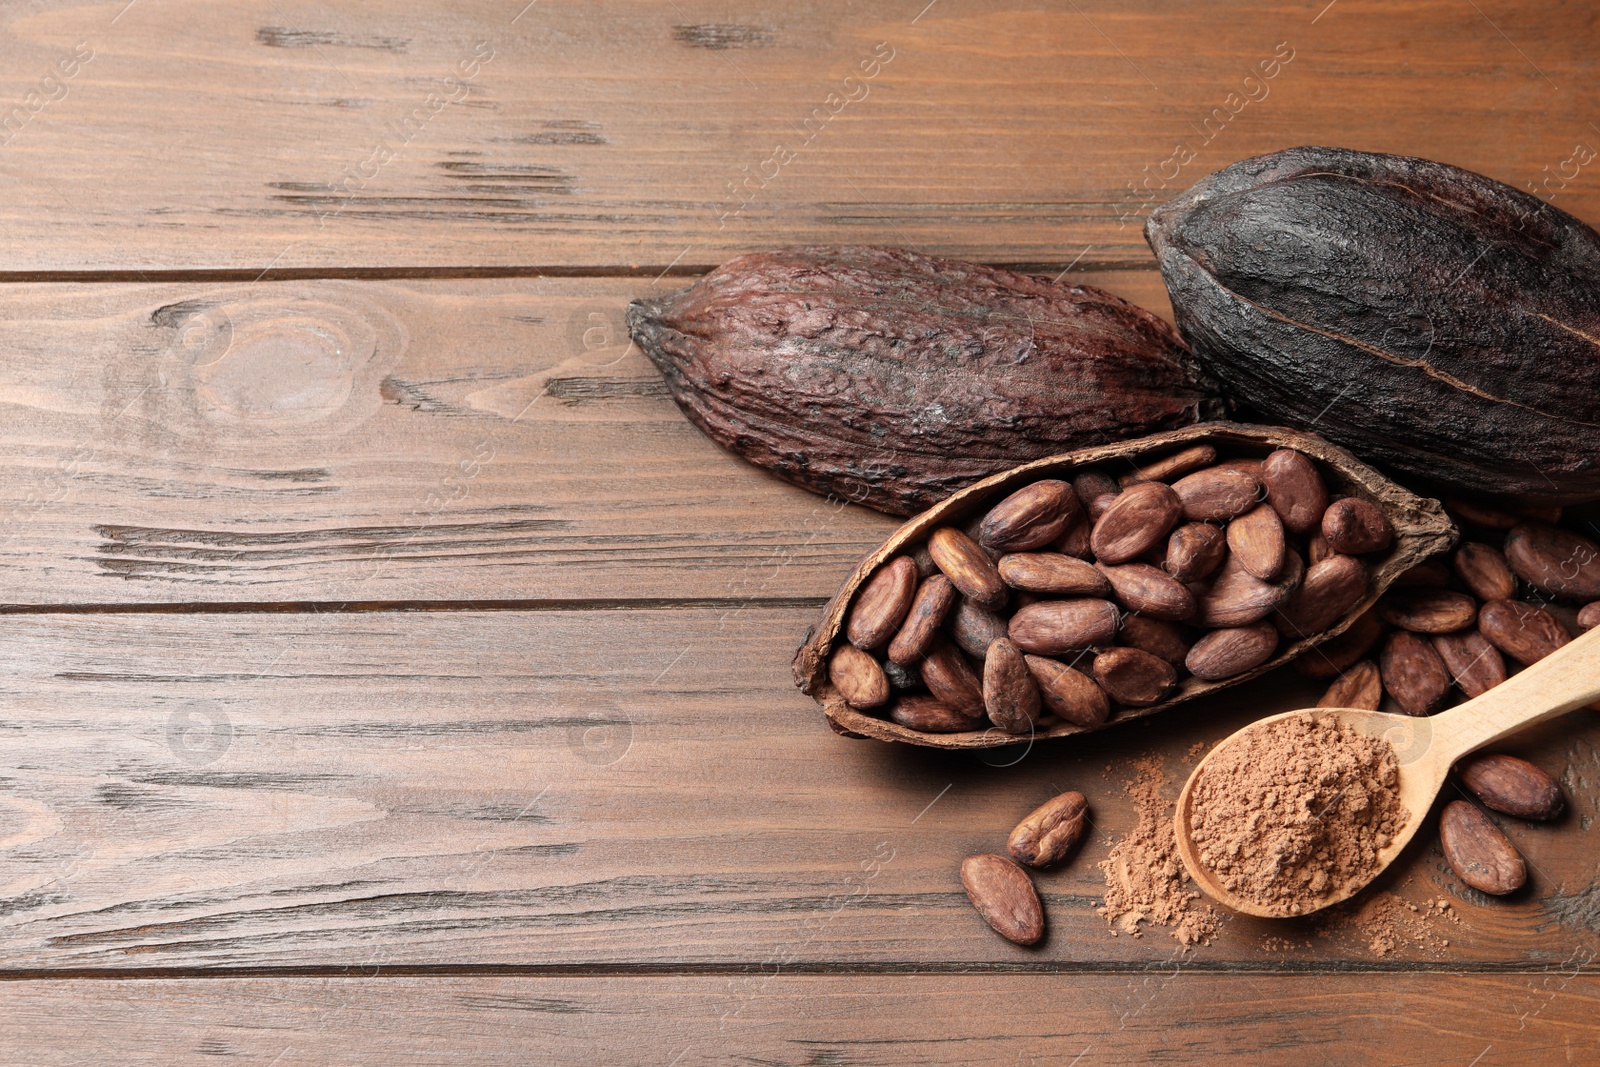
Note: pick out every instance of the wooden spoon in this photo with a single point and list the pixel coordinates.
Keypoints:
(1425, 748)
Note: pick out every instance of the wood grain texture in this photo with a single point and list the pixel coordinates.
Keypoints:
(1137, 1018)
(568, 789)
(248, 134)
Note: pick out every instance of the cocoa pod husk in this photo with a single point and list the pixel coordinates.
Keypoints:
(1474, 663)
(1051, 831)
(1557, 561)
(1384, 324)
(1232, 651)
(1413, 673)
(1010, 695)
(892, 379)
(1511, 786)
(1522, 631)
(1484, 571)
(1480, 854)
(1004, 895)
(1359, 687)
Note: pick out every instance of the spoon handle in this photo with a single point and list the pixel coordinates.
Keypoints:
(1566, 679)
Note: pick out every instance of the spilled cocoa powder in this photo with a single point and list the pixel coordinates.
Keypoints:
(1297, 813)
(1145, 880)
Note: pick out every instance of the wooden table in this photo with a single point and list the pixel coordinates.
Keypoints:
(394, 676)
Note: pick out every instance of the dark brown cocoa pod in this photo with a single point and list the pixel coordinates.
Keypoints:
(1512, 786)
(1413, 673)
(823, 364)
(858, 677)
(1295, 490)
(1428, 611)
(1068, 693)
(1484, 571)
(1557, 561)
(1052, 627)
(1383, 323)
(951, 680)
(1359, 687)
(1480, 854)
(1150, 591)
(1130, 676)
(1522, 631)
(1194, 551)
(1030, 518)
(882, 604)
(1010, 695)
(1162, 639)
(1051, 831)
(1337, 654)
(1354, 527)
(1474, 663)
(968, 567)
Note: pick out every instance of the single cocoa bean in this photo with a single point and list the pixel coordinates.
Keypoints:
(1317, 549)
(1150, 591)
(1130, 676)
(1559, 562)
(1330, 589)
(858, 678)
(1010, 694)
(1051, 831)
(1472, 513)
(936, 596)
(1004, 895)
(1256, 540)
(1068, 693)
(1075, 541)
(1413, 673)
(1589, 615)
(1429, 574)
(974, 629)
(1173, 466)
(1474, 663)
(1428, 611)
(969, 567)
(1483, 570)
(1052, 627)
(1252, 467)
(1096, 490)
(1478, 852)
(1030, 518)
(1216, 494)
(1295, 490)
(1337, 654)
(950, 678)
(902, 679)
(1238, 598)
(1053, 572)
(1160, 639)
(1522, 631)
(1195, 550)
(882, 603)
(1548, 515)
(1359, 687)
(1354, 527)
(1227, 652)
(1512, 786)
(926, 715)
(1138, 519)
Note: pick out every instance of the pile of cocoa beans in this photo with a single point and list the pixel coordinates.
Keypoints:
(1517, 588)
(1075, 599)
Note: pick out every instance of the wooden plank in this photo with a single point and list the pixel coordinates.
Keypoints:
(484, 439)
(581, 788)
(806, 1020)
(247, 134)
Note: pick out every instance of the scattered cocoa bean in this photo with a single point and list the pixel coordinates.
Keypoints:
(1429, 574)
(1471, 513)
(1428, 611)
(1359, 687)
(1480, 854)
(1589, 615)
(1512, 786)
(1483, 570)
(1557, 561)
(1004, 895)
(1337, 654)
(1522, 631)
(1413, 673)
(1051, 831)
(1474, 663)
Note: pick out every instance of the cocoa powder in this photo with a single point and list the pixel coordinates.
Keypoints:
(1145, 880)
(1297, 813)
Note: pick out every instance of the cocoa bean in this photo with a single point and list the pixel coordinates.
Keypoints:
(858, 678)
(1559, 562)
(1429, 574)
(902, 679)
(1359, 687)
(1512, 786)
(936, 596)
(1160, 639)
(1413, 673)
(1589, 615)
(1053, 572)
(1004, 895)
(950, 678)
(926, 715)
(1010, 695)
(1317, 549)
(974, 629)
(1217, 494)
(1224, 653)
(1138, 519)
(1256, 540)
(1051, 831)
(1472, 513)
(1075, 541)
(1194, 551)
(1052, 627)
(1337, 654)
(1330, 589)
(1355, 527)
(1069, 693)
(1295, 490)
(1096, 490)
(1522, 631)
(1478, 852)
(1428, 611)
(882, 604)
(1030, 518)
(968, 567)
(1130, 676)
(1474, 663)
(1238, 598)
(1150, 591)
(1173, 466)
(1484, 571)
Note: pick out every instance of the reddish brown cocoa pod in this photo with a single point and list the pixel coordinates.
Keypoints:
(1096, 490)
(1480, 854)
(1295, 490)
(1130, 676)
(1052, 627)
(1484, 571)
(1030, 518)
(1162, 639)
(1004, 895)
(1053, 572)
(858, 678)
(1512, 786)
(974, 629)
(1337, 654)
(1216, 494)
(1256, 540)
(936, 596)
(1173, 466)
(1359, 687)
(1589, 615)
(1010, 695)
(1194, 551)
(1068, 693)
(1150, 591)
(1428, 611)
(1525, 633)
(1557, 561)
(882, 604)
(1354, 527)
(1474, 663)
(1138, 519)
(1051, 831)
(1227, 652)
(950, 678)
(1330, 589)
(966, 564)
(928, 715)
(822, 363)
(1413, 673)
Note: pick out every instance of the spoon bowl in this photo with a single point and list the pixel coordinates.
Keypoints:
(1425, 749)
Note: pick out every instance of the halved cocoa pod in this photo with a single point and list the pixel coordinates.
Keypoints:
(1420, 529)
